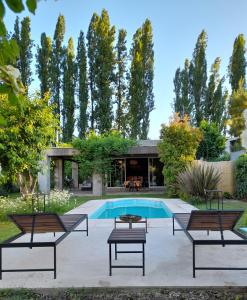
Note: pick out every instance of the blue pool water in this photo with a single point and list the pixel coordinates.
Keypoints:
(140, 207)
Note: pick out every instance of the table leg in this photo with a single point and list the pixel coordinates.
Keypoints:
(110, 273)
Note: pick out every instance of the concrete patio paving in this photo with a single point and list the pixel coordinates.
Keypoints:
(83, 261)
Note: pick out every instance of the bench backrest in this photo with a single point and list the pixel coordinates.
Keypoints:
(214, 220)
(38, 222)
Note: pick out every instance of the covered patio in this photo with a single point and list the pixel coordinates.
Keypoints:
(83, 261)
(141, 163)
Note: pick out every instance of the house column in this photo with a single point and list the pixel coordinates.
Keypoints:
(75, 174)
(44, 175)
(98, 187)
(59, 174)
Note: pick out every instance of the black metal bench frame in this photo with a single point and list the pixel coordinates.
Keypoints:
(145, 221)
(53, 244)
(222, 242)
(116, 252)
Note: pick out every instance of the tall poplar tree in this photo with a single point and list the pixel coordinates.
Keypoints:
(215, 100)
(237, 65)
(56, 63)
(104, 75)
(92, 42)
(182, 103)
(237, 105)
(148, 72)
(136, 87)
(177, 104)
(25, 44)
(185, 89)
(141, 98)
(198, 78)
(43, 63)
(81, 61)
(16, 37)
(69, 74)
(121, 87)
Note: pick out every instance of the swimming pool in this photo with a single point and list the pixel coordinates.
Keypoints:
(142, 207)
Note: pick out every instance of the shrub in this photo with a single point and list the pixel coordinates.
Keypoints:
(196, 178)
(241, 177)
(59, 202)
(213, 142)
(177, 149)
(227, 195)
(225, 156)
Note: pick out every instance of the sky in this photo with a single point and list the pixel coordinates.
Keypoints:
(176, 26)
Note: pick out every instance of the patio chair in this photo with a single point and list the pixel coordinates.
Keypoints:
(206, 220)
(39, 223)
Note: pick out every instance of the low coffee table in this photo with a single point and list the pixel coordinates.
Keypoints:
(127, 236)
(130, 219)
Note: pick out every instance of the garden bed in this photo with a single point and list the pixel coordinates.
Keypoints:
(128, 293)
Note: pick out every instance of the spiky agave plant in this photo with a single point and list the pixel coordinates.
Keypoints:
(196, 178)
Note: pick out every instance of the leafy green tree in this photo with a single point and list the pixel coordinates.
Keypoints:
(11, 86)
(213, 142)
(121, 87)
(25, 44)
(92, 42)
(182, 103)
(237, 65)
(22, 140)
(177, 149)
(104, 76)
(69, 74)
(96, 151)
(56, 64)
(81, 61)
(198, 78)
(237, 105)
(141, 98)
(17, 6)
(43, 65)
(215, 101)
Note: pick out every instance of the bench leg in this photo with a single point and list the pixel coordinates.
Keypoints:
(173, 231)
(110, 273)
(55, 262)
(193, 254)
(143, 259)
(87, 224)
(0, 263)
(115, 251)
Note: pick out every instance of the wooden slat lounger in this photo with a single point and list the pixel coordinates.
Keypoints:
(206, 220)
(41, 223)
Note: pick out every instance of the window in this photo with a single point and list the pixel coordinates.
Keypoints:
(155, 172)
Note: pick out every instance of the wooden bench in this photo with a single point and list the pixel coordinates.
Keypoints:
(208, 220)
(127, 236)
(38, 223)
